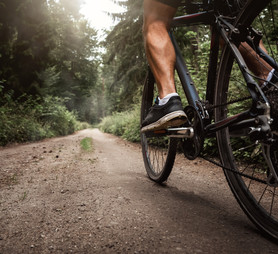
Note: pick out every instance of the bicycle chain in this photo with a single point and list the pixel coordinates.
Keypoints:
(209, 107)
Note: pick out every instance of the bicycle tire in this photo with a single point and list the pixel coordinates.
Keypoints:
(159, 152)
(238, 151)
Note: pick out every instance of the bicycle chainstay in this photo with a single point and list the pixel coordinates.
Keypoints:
(233, 170)
(210, 107)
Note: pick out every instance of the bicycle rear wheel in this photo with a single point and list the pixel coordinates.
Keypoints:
(238, 151)
(159, 151)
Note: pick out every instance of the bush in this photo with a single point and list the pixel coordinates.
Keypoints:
(124, 124)
(31, 119)
(56, 116)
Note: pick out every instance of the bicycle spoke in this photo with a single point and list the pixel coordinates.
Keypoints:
(272, 203)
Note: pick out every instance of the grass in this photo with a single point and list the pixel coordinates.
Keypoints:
(24, 196)
(87, 144)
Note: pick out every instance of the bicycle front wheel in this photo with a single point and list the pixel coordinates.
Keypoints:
(238, 151)
(159, 151)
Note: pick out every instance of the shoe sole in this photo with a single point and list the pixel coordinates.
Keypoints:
(173, 119)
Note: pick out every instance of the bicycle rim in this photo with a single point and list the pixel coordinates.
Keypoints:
(158, 151)
(237, 150)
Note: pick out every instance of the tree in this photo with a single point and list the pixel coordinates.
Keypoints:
(124, 58)
(74, 56)
(47, 48)
(25, 42)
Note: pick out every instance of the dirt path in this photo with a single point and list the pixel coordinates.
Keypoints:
(56, 198)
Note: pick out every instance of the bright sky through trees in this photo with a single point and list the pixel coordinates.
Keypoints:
(96, 12)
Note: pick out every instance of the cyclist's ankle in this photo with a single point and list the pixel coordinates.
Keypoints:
(270, 77)
(165, 99)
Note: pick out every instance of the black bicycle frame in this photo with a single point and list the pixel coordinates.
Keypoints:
(219, 27)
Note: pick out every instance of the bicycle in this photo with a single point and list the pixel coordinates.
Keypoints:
(237, 110)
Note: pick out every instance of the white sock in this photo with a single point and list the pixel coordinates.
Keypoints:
(166, 98)
(269, 77)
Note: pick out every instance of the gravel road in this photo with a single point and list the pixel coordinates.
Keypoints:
(57, 198)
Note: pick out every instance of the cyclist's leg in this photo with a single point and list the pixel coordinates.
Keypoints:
(255, 63)
(159, 49)
(168, 110)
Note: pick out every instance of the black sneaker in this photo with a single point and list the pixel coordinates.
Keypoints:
(161, 117)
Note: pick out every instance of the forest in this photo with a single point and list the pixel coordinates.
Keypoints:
(56, 77)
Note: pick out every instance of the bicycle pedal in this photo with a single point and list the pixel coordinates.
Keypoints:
(181, 132)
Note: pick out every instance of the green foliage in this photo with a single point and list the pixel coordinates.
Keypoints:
(195, 45)
(30, 119)
(125, 124)
(210, 147)
(55, 115)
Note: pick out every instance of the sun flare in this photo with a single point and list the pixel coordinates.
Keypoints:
(96, 12)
